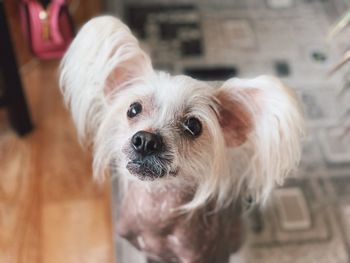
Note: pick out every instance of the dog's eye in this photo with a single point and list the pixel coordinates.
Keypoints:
(134, 109)
(193, 127)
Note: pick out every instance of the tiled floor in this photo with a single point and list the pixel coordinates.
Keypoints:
(288, 39)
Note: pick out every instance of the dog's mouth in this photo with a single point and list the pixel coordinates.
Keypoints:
(146, 170)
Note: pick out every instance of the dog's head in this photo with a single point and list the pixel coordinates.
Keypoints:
(242, 137)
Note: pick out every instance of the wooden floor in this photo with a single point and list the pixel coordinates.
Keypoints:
(50, 209)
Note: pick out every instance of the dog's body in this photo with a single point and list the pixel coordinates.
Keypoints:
(147, 220)
(186, 153)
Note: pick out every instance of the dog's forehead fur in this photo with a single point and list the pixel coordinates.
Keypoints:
(180, 92)
(168, 99)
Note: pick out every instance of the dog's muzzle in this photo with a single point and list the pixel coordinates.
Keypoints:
(148, 161)
(145, 170)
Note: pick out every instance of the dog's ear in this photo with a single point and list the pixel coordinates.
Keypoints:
(103, 59)
(265, 116)
(127, 61)
(234, 118)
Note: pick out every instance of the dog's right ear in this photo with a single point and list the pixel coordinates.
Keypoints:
(103, 58)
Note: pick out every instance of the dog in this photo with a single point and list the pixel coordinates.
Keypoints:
(186, 153)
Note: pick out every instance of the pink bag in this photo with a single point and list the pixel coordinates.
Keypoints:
(49, 31)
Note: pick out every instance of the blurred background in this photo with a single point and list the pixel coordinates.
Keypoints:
(51, 211)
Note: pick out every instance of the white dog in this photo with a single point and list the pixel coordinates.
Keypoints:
(182, 148)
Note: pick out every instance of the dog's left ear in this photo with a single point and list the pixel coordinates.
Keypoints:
(266, 117)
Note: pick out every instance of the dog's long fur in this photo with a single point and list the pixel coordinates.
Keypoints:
(252, 127)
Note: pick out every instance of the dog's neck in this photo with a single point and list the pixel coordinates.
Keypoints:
(149, 219)
(169, 193)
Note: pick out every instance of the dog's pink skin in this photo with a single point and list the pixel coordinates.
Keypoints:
(148, 221)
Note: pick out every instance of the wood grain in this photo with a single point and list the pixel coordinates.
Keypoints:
(50, 209)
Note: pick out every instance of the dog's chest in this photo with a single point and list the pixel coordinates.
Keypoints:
(148, 221)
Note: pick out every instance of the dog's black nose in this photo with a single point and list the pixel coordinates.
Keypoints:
(146, 143)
